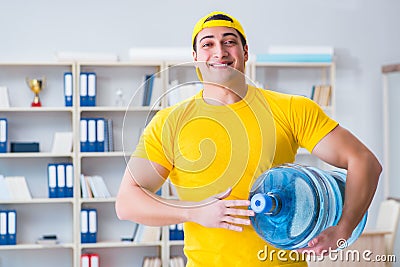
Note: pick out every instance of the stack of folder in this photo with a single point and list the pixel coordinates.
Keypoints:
(96, 135)
(60, 180)
(8, 227)
(87, 86)
(176, 232)
(90, 260)
(88, 226)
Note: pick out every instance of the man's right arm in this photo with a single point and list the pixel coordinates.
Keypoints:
(136, 201)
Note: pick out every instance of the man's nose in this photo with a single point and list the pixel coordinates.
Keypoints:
(220, 51)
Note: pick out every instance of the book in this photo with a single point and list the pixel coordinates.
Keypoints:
(311, 58)
(321, 94)
(182, 54)
(62, 143)
(69, 56)
(145, 233)
(98, 187)
(17, 188)
(47, 240)
(4, 99)
(300, 50)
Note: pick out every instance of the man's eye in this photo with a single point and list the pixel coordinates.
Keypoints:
(230, 42)
(206, 45)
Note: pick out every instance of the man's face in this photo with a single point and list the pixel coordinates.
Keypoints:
(222, 52)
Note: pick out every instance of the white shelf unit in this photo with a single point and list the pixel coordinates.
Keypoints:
(296, 78)
(40, 215)
(128, 122)
(391, 129)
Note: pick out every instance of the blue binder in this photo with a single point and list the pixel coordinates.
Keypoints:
(3, 135)
(69, 180)
(61, 180)
(12, 227)
(91, 89)
(101, 131)
(91, 129)
(52, 180)
(172, 232)
(83, 89)
(68, 89)
(84, 136)
(179, 231)
(92, 214)
(3, 227)
(84, 226)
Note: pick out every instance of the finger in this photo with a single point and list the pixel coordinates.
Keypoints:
(236, 220)
(237, 203)
(231, 227)
(239, 212)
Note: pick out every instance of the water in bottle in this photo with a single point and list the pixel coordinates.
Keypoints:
(294, 203)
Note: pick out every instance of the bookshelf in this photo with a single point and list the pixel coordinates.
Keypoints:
(297, 78)
(28, 124)
(391, 129)
(61, 216)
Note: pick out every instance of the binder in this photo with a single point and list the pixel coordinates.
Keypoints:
(92, 215)
(84, 136)
(69, 180)
(85, 260)
(110, 136)
(3, 135)
(68, 89)
(3, 227)
(83, 86)
(179, 231)
(84, 226)
(106, 136)
(12, 227)
(100, 128)
(52, 180)
(172, 232)
(91, 89)
(94, 260)
(61, 180)
(92, 135)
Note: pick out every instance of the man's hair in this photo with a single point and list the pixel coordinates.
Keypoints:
(220, 17)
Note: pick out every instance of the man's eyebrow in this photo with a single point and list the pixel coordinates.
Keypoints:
(223, 35)
(230, 34)
(207, 36)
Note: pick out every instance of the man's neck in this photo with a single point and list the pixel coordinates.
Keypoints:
(219, 96)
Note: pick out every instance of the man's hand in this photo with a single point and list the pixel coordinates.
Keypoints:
(216, 212)
(328, 240)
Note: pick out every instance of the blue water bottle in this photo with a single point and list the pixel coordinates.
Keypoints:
(295, 203)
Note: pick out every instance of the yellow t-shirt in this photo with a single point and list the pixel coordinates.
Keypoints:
(209, 148)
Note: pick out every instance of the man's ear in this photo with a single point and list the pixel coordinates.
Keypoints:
(246, 52)
(194, 54)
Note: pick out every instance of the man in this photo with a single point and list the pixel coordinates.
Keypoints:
(214, 145)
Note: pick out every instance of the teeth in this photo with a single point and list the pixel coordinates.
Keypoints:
(219, 65)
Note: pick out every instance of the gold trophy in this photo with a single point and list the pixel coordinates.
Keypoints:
(36, 86)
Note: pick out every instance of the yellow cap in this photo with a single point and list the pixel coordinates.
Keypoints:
(202, 23)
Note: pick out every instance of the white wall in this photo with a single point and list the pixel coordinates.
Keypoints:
(365, 34)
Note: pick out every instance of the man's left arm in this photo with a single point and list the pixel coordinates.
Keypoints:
(342, 149)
